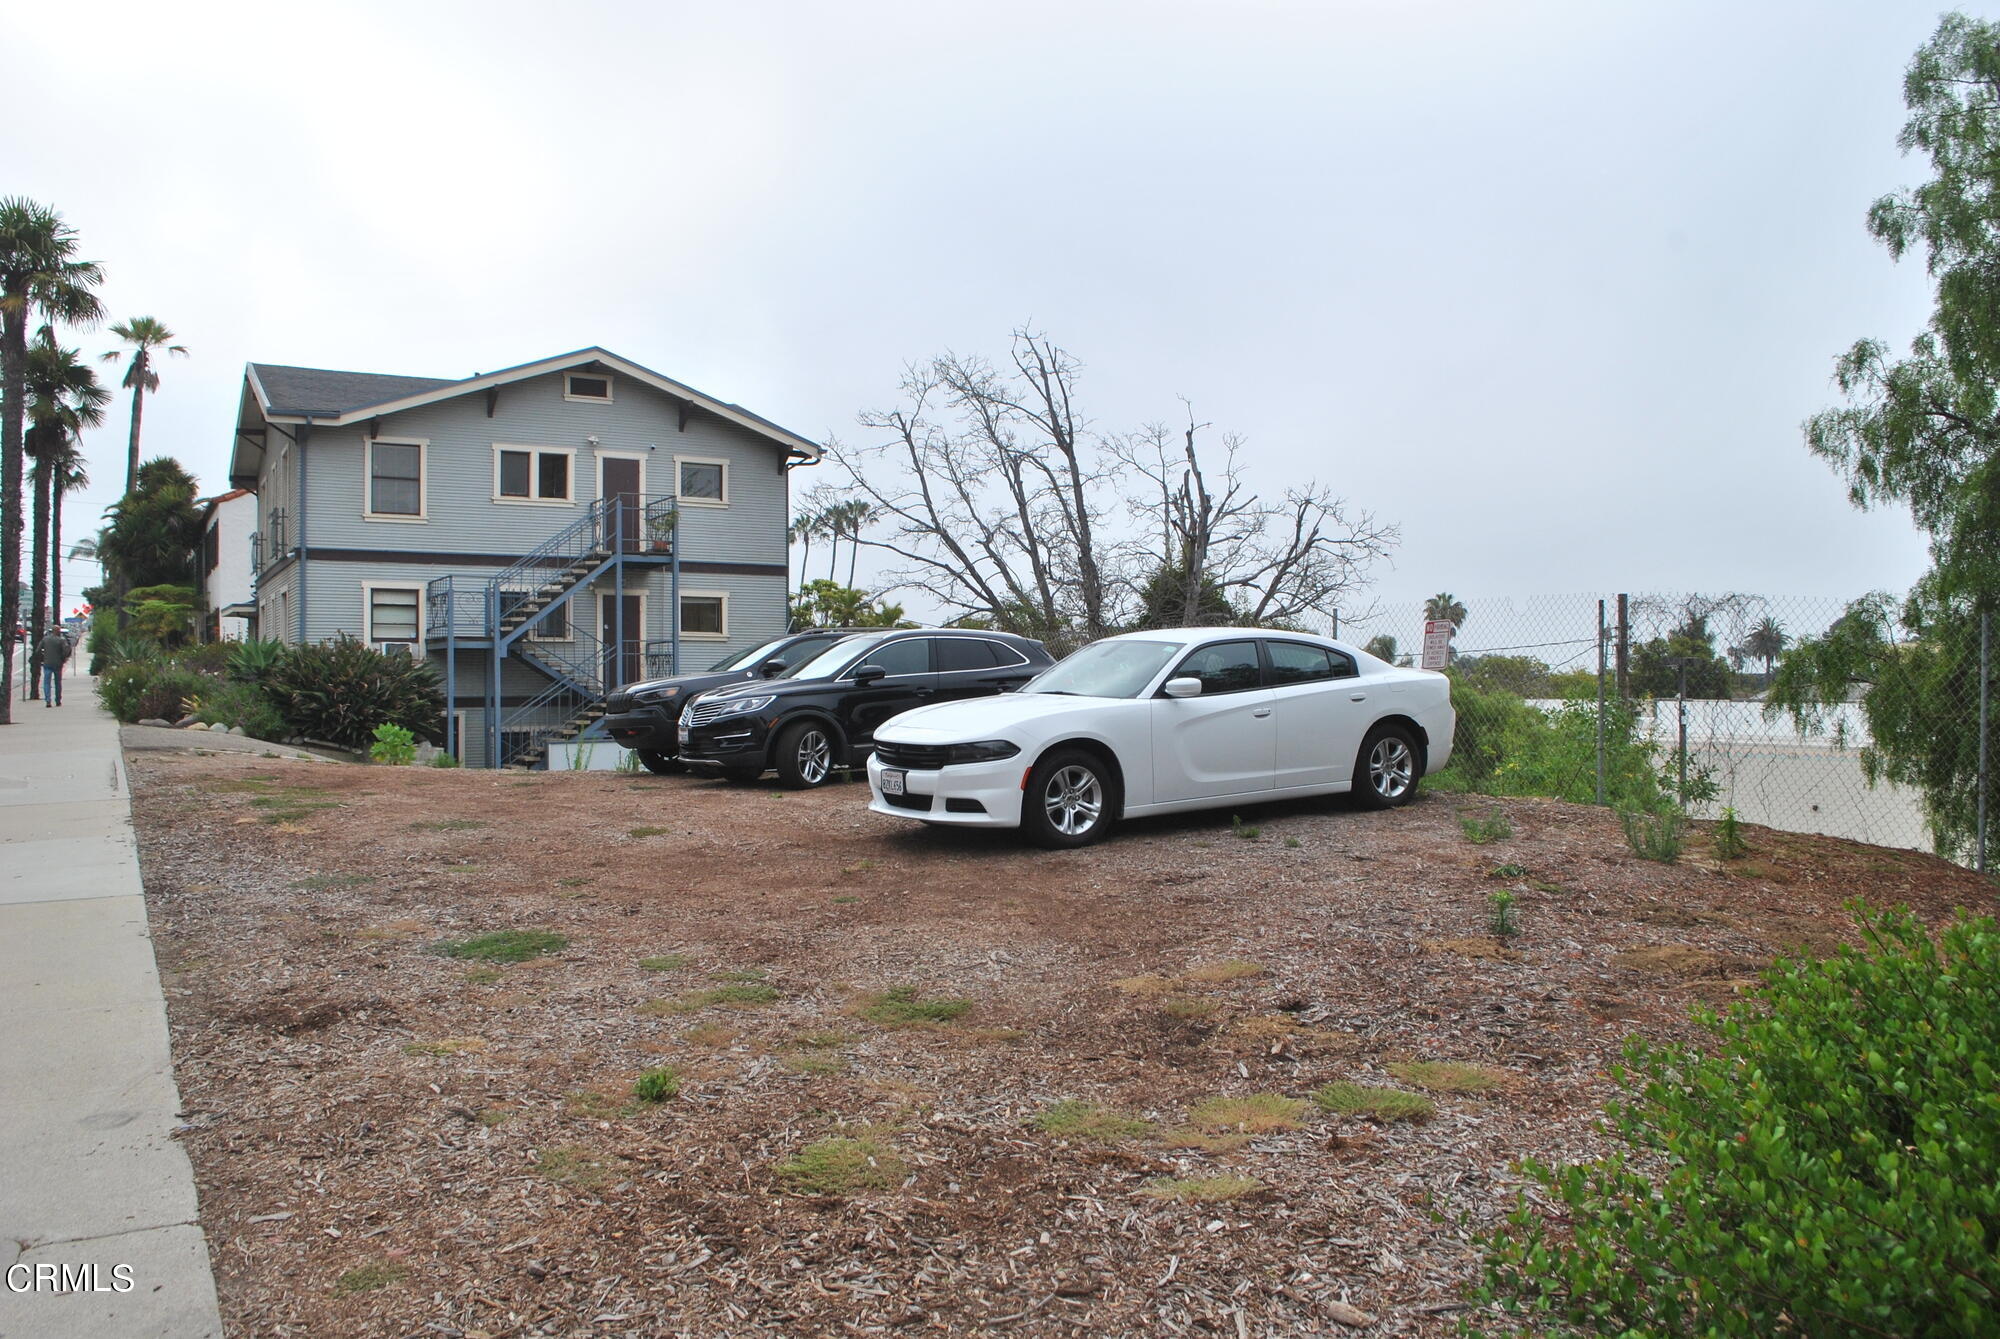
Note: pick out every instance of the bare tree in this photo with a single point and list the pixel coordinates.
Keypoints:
(988, 490)
(1261, 560)
(991, 493)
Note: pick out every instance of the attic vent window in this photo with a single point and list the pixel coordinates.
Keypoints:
(587, 388)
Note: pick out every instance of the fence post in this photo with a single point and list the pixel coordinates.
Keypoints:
(1602, 632)
(1624, 651)
(1985, 699)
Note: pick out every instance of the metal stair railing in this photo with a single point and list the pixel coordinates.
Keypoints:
(578, 662)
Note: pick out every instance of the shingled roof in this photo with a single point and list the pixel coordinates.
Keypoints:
(318, 390)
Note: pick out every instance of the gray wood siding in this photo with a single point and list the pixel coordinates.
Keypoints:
(756, 604)
(462, 515)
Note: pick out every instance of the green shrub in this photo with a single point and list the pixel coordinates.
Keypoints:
(442, 759)
(204, 657)
(1656, 835)
(393, 747)
(1729, 843)
(1503, 746)
(139, 690)
(339, 691)
(226, 702)
(1485, 831)
(1824, 1165)
(1502, 921)
(165, 614)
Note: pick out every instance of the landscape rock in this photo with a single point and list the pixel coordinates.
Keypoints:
(238, 730)
(155, 720)
(184, 722)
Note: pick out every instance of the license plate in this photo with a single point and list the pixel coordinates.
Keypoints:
(892, 782)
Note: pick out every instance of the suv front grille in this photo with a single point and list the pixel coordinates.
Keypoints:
(919, 757)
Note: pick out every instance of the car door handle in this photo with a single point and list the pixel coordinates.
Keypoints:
(1357, 697)
(1261, 711)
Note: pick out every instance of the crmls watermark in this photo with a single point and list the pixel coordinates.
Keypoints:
(54, 1278)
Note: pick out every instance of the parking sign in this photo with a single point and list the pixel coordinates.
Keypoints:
(1437, 643)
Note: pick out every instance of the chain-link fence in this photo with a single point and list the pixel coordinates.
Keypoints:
(1800, 714)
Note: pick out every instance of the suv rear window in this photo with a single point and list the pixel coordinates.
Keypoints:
(964, 653)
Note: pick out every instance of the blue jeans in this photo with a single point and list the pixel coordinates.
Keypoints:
(52, 684)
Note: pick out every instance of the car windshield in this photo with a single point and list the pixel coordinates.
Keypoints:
(835, 658)
(1106, 669)
(755, 656)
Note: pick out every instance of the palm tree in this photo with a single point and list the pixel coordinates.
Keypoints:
(145, 335)
(63, 399)
(805, 526)
(69, 475)
(846, 519)
(39, 273)
(1445, 607)
(1766, 642)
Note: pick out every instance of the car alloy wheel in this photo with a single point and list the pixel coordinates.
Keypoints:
(1388, 768)
(1391, 767)
(1073, 800)
(805, 755)
(812, 754)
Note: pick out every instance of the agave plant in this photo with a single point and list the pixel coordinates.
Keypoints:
(253, 659)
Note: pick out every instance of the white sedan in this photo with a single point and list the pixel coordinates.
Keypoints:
(1155, 722)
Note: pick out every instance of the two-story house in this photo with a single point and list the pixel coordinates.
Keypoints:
(224, 581)
(545, 533)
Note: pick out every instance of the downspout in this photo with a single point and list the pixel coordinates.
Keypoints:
(305, 435)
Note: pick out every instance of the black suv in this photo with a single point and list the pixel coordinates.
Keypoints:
(641, 716)
(823, 714)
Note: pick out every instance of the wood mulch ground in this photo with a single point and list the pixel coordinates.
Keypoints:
(393, 1142)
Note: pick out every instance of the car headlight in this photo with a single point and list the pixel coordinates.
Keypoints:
(744, 706)
(657, 695)
(986, 750)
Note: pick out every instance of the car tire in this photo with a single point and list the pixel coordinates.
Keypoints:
(660, 764)
(805, 756)
(1068, 800)
(1387, 770)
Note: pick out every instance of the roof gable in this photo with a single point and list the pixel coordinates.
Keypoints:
(348, 397)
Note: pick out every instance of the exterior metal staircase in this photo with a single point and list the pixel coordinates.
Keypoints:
(501, 614)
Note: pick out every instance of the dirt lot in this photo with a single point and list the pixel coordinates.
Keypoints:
(390, 1141)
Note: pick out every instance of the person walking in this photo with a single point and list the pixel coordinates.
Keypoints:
(53, 651)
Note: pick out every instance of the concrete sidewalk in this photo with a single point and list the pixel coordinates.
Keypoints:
(88, 1174)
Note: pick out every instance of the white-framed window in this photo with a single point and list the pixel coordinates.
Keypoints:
(395, 479)
(554, 626)
(593, 387)
(701, 481)
(533, 473)
(393, 616)
(705, 615)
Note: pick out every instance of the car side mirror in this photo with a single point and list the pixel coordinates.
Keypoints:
(1185, 686)
(773, 668)
(868, 674)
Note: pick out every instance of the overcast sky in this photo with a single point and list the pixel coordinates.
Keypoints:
(1551, 285)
